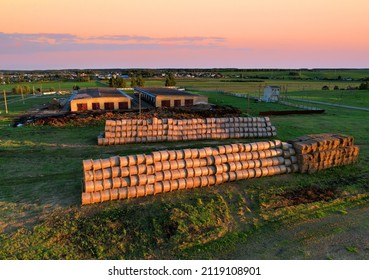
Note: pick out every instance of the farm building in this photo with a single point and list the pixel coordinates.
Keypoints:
(271, 94)
(170, 97)
(100, 99)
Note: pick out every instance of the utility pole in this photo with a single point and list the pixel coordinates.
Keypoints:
(6, 104)
(22, 94)
(139, 103)
(248, 104)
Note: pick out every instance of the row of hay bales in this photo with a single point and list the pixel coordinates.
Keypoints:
(131, 176)
(322, 151)
(157, 130)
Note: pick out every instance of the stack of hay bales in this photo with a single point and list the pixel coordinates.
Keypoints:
(123, 177)
(157, 130)
(320, 151)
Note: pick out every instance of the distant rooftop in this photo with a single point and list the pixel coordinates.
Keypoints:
(164, 91)
(100, 92)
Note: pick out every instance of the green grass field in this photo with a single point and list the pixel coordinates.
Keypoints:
(42, 218)
(46, 86)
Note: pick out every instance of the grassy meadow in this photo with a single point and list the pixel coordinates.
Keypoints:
(292, 216)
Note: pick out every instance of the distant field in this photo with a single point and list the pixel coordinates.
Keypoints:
(257, 88)
(42, 217)
(303, 74)
(46, 86)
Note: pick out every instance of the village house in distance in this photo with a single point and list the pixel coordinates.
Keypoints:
(170, 97)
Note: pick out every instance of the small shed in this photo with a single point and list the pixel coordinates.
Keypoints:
(271, 94)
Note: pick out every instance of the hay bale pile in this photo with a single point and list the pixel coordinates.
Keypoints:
(157, 130)
(321, 151)
(123, 177)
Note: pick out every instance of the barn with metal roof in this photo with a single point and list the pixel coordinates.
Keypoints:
(100, 99)
(170, 97)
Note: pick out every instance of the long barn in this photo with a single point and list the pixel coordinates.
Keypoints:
(100, 99)
(169, 97)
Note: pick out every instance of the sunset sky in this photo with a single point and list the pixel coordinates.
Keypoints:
(46, 34)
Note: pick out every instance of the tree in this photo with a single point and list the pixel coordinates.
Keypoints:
(117, 82)
(336, 88)
(169, 80)
(325, 88)
(364, 86)
(133, 82)
(76, 87)
(140, 82)
(21, 89)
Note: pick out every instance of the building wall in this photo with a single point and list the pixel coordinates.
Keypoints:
(181, 99)
(101, 100)
(271, 94)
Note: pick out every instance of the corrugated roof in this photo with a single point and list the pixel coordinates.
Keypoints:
(164, 91)
(100, 92)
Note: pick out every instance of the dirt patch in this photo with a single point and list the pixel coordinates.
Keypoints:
(302, 196)
(95, 118)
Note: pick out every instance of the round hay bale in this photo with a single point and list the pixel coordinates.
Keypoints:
(181, 163)
(190, 172)
(149, 159)
(174, 185)
(196, 182)
(159, 176)
(196, 162)
(132, 192)
(107, 184)
(158, 165)
(88, 176)
(189, 183)
(141, 191)
(96, 197)
(164, 155)
(230, 157)
(87, 164)
(132, 160)
(156, 156)
(204, 182)
(105, 195)
(149, 189)
(133, 170)
(175, 174)
(142, 179)
(166, 186)
(167, 175)
(114, 194)
(122, 193)
(133, 180)
(173, 165)
(89, 186)
(181, 184)
(189, 163)
(124, 171)
(172, 155)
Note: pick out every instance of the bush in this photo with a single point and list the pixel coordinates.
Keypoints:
(364, 86)
(325, 88)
